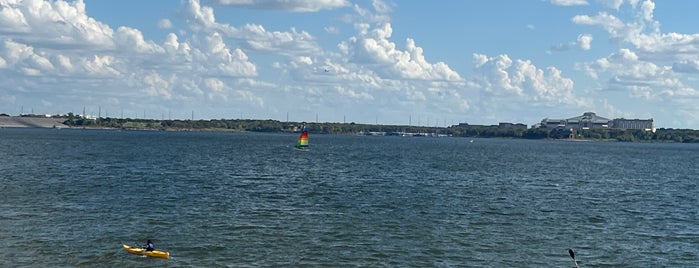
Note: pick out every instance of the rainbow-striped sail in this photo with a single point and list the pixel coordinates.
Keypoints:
(302, 142)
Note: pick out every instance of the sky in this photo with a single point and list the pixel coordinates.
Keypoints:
(429, 63)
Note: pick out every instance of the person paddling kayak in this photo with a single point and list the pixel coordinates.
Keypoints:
(149, 246)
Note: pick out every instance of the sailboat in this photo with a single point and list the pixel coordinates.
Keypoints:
(302, 142)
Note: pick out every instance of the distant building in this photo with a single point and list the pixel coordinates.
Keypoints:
(590, 120)
(552, 123)
(645, 124)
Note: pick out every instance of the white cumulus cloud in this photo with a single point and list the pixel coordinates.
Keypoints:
(156, 85)
(374, 47)
(252, 36)
(569, 2)
(77, 50)
(585, 41)
(288, 5)
(164, 24)
(652, 65)
(53, 22)
(502, 76)
(641, 78)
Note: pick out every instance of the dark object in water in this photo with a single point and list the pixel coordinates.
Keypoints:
(572, 255)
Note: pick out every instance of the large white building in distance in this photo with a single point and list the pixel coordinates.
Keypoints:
(590, 120)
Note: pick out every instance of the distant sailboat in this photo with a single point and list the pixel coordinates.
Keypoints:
(302, 142)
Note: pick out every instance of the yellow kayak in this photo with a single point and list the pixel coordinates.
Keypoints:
(154, 253)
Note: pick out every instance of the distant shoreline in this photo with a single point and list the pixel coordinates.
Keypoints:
(274, 126)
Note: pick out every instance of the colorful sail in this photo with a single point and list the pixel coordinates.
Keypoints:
(302, 142)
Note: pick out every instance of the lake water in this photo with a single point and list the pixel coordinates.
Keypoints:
(71, 198)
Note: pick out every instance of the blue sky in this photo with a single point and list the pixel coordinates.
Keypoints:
(431, 63)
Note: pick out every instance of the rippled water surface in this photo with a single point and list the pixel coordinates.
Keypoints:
(71, 198)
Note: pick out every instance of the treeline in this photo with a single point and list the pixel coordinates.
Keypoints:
(472, 131)
(243, 125)
(631, 135)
